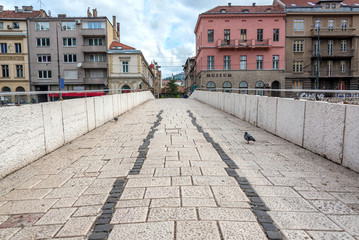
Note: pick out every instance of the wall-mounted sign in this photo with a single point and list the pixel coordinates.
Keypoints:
(219, 75)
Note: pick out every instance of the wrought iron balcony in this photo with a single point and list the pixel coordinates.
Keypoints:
(332, 73)
(326, 53)
(333, 32)
(250, 43)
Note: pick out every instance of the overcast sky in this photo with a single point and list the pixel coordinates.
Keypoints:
(161, 29)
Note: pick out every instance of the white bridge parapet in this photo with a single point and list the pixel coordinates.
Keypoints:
(29, 132)
(328, 129)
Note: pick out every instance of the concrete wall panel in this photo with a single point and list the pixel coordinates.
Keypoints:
(108, 107)
(22, 137)
(91, 119)
(351, 138)
(251, 109)
(242, 106)
(290, 120)
(324, 129)
(267, 113)
(53, 125)
(115, 105)
(99, 111)
(74, 119)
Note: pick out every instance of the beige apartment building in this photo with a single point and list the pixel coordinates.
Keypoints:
(322, 42)
(128, 69)
(14, 60)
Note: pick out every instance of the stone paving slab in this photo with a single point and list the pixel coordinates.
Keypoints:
(182, 188)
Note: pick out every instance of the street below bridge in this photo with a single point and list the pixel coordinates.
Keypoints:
(179, 169)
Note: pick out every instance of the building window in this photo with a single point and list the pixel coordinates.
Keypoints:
(243, 85)
(210, 35)
(317, 24)
(94, 25)
(243, 34)
(210, 62)
(330, 25)
(43, 42)
(334, 6)
(3, 48)
(342, 66)
(68, 26)
(19, 71)
(330, 47)
(42, 26)
(260, 85)
(243, 62)
(17, 47)
(97, 74)
(227, 36)
(227, 87)
(211, 86)
(297, 85)
(70, 58)
(298, 45)
(96, 58)
(316, 46)
(344, 24)
(15, 25)
(1, 25)
(95, 41)
(298, 25)
(69, 42)
(330, 68)
(5, 71)
(275, 61)
(341, 85)
(44, 58)
(259, 62)
(259, 35)
(275, 35)
(327, 6)
(125, 67)
(70, 74)
(227, 62)
(343, 45)
(45, 74)
(298, 66)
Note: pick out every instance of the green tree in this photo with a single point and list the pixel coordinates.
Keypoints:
(172, 88)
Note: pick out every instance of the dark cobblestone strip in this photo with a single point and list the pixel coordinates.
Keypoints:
(143, 149)
(258, 207)
(102, 226)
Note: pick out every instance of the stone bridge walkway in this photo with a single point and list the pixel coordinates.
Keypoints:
(179, 169)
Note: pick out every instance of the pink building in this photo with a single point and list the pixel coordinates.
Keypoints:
(241, 47)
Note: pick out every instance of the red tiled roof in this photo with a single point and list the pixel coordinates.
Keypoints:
(307, 3)
(253, 9)
(13, 14)
(118, 44)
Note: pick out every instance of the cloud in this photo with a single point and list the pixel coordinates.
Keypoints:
(161, 29)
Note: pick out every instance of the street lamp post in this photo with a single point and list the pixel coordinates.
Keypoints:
(58, 62)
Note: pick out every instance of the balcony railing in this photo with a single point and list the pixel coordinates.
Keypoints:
(332, 74)
(94, 65)
(250, 43)
(333, 32)
(333, 53)
(94, 48)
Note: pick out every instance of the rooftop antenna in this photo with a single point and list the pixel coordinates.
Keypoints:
(41, 3)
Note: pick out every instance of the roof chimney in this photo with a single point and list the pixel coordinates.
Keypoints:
(27, 8)
(88, 12)
(1, 8)
(114, 26)
(253, 4)
(229, 4)
(94, 12)
(61, 15)
(118, 31)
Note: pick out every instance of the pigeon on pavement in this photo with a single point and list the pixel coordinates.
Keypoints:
(248, 137)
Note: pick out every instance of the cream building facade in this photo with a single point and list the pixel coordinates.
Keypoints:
(128, 69)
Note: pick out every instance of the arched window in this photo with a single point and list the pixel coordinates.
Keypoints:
(227, 87)
(5, 99)
(243, 85)
(260, 85)
(19, 99)
(126, 89)
(211, 86)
